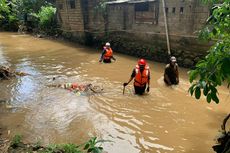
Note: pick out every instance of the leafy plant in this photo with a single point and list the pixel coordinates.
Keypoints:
(91, 145)
(46, 17)
(37, 145)
(214, 70)
(51, 148)
(8, 15)
(16, 141)
(70, 148)
(4, 8)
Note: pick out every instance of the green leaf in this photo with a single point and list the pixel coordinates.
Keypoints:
(213, 89)
(206, 90)
(214, 97)
(86, 146)
(90, 150)
(218, 80)
(214, 31)
(197, 93)
(225, 66)
(209, 98)
(214, 68)
(94, 139)
(192, 75)
(191, 89)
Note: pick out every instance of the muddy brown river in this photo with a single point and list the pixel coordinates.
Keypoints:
(167, 120)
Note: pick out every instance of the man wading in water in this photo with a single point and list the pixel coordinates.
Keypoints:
(171, 74)
(141, 73)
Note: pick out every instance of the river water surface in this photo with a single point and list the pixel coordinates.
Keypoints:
(167, 120)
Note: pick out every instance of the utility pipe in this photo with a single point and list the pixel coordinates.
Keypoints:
(166, 27)
(67, 12)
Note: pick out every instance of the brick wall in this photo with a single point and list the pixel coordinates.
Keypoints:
(71, 19)
(183, 17)
(187, 17)
(116, 17)
(144, 32)
(96, 20)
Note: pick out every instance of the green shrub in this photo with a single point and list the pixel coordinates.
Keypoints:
(8, 16)
(70, 148)
(46, 17)
(16, 141)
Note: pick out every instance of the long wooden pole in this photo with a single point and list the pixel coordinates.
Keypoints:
(166, 27)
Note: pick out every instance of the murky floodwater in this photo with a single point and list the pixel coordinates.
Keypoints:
(165, 120)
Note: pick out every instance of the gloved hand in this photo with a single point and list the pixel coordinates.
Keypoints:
(125, 84)
(147, 89)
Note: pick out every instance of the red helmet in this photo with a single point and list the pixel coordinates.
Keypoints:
(141, 62)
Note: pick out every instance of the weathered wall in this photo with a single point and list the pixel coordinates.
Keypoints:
(201, 13)
(187, 17)
(139, 33)
(96, 20)
(180, 22)
(151, 46)
(116, 17)
(70, 19)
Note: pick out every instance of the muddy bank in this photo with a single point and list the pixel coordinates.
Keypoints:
(16, 145)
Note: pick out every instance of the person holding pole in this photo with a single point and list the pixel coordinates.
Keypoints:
(141, 76)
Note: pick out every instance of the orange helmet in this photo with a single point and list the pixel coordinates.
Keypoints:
(141, 62)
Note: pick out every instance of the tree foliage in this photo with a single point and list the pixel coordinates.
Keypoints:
(13, 11)
(46, 17)
(8, 14)
(214, 69)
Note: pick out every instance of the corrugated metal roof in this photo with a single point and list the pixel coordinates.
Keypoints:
(129, 1)
(118, 2)
(141, 1)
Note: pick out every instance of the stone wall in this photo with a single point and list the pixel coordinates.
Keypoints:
(153, 46)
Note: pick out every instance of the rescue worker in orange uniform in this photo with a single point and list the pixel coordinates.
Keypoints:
(141, 75)
(107, 54)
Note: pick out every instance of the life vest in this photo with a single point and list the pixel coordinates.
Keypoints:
(108, 53)
(141, 78)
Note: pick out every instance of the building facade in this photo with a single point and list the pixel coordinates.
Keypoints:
(138, 26)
